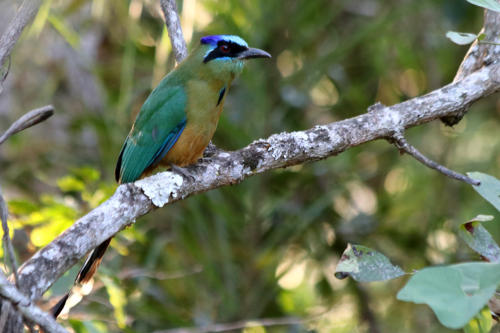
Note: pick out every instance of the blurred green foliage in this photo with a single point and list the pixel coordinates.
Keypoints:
(266, 248)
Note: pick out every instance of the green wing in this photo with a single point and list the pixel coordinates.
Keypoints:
(156, 129)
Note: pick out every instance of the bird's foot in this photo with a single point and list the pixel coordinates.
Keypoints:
(211, 150)
(182, 171)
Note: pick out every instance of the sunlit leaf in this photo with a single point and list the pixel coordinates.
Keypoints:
(50, 220)
(489, 188)
(96, 197)
(461, 38)
(22, 207)
(479, 239)
(455, 293)
(70, 184)
(40, 18)
(481, 323)
(86, 173)
(364, 265)
(44, 234)
(488, 4)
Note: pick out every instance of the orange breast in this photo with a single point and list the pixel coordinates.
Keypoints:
(201, 122)
(190, 145)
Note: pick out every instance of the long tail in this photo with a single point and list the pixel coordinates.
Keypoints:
(82, 286)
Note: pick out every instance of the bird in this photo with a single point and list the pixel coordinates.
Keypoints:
(177, 121)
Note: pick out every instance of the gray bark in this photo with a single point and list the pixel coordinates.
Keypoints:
(25, 14)
(26, 307)
(169, 8)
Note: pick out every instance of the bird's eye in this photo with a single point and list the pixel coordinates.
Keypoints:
(224, 48)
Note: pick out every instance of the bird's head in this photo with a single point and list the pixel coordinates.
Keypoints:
(226, 54)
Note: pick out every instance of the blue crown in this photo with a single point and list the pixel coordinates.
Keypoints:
(214, 39)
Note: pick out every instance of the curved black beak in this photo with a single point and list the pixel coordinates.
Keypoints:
(253, 53)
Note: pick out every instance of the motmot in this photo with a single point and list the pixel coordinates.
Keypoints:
(177, 120)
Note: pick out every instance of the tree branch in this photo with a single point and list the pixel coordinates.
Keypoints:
(27, 308)
(29, 119)
(131, 201)
(481, 54)
(25, 14)
(478, 55)
(9, 249)
(404, 147)
(174, 29)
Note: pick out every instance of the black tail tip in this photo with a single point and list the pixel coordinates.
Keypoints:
(56, 309)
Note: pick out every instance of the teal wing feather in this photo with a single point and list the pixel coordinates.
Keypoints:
(156, 129)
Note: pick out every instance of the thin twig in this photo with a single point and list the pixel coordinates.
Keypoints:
(7, 70)
(488, 43)
(25, 14)
(265, 322)
(174, 29)
(31, 118)
(143, 273)
(29, 311)
(134, 273)
(404, 146)
(5, 308)
(9, 249)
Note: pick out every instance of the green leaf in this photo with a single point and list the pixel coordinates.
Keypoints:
(86, 173)
(461, 38)
(481, 323)
(489, 188)
(40, 18)
(22, 207)
(479, 239)
(488, 4)
(365, 265)
(70, 184)
(455, 293)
